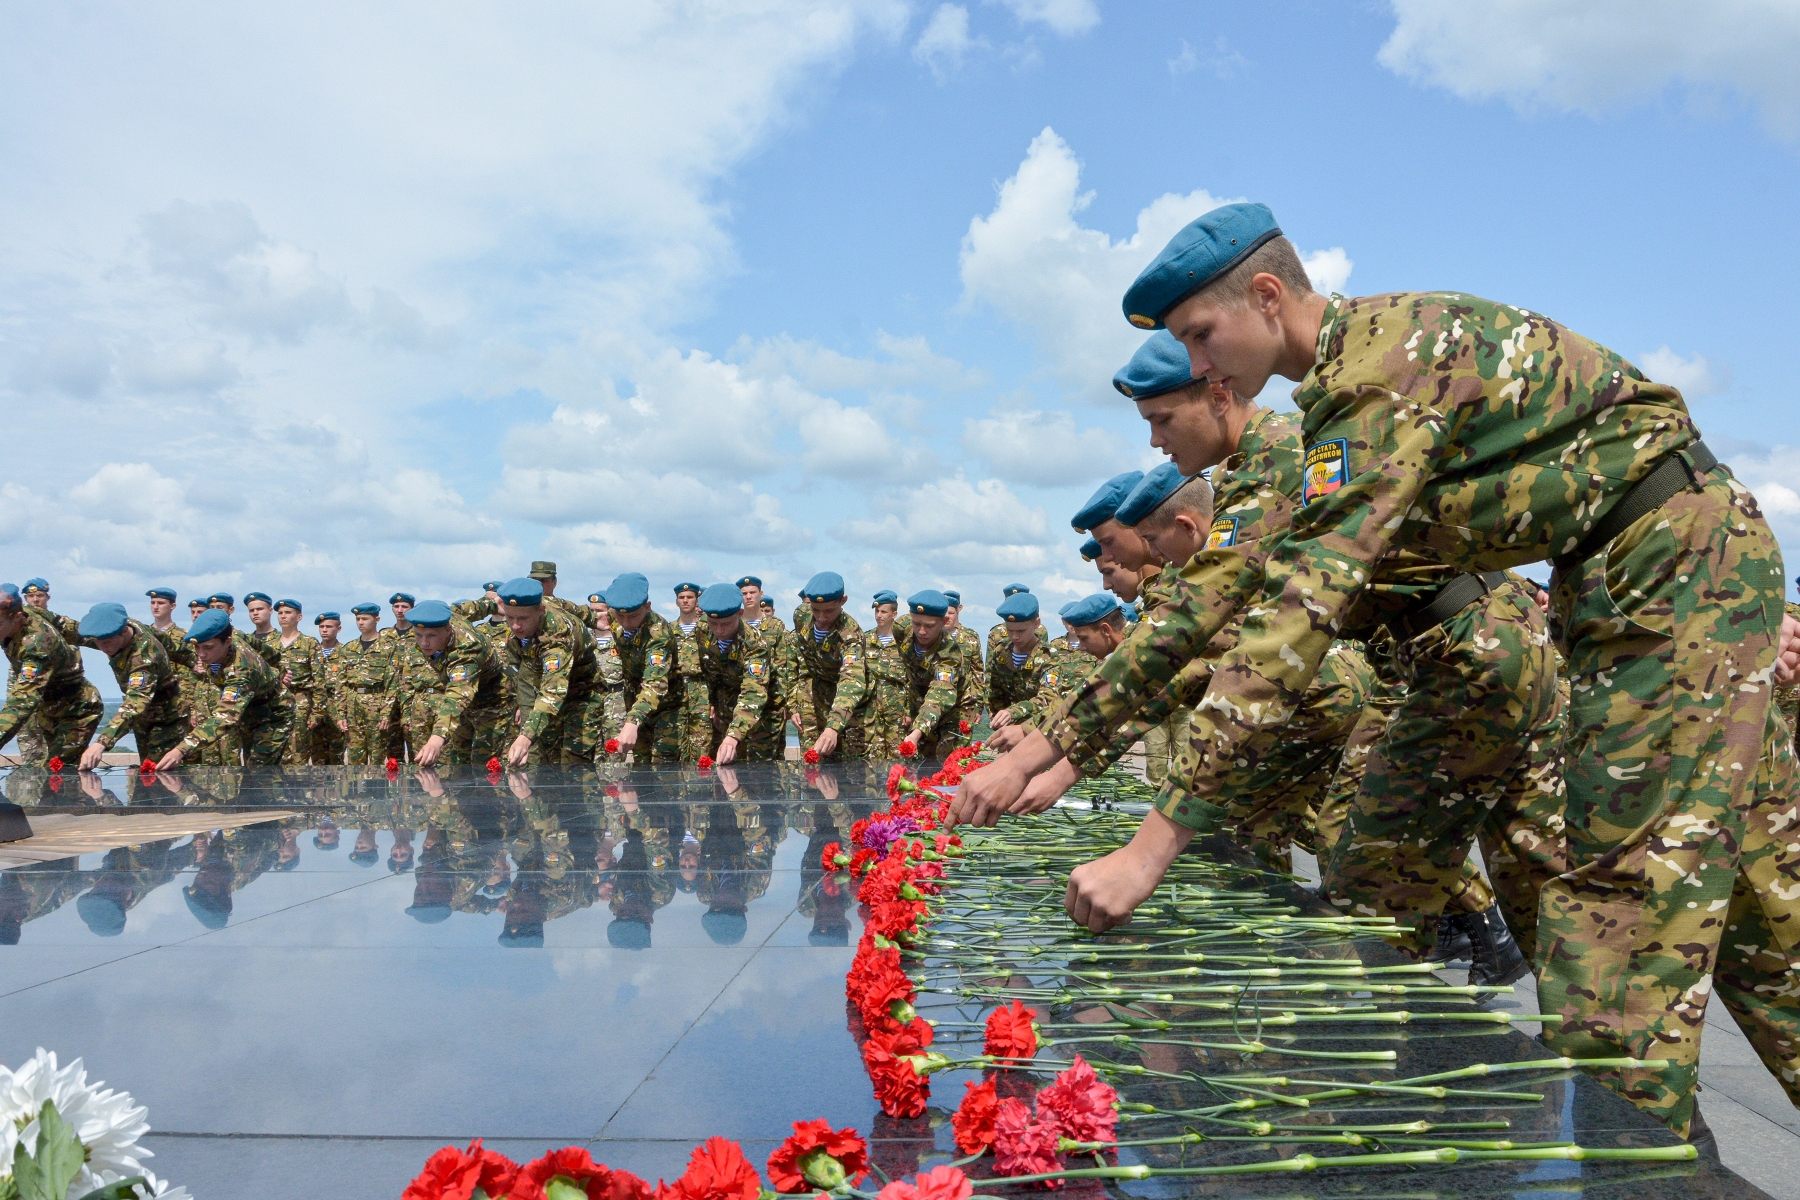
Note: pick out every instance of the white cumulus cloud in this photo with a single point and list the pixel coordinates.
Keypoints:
(1065, 17)
(1043, 448)
(945, 43)
(1695, 376)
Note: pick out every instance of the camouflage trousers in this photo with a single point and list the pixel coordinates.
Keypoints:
(366, 741)
(481, 734)
(881, 721)
(765, 743)
(299, 747)
(61, 728)
(328, 743)
(683, 732)
(154, 741)
(571, 739)
(853, 738)
(1469, 753)
(1684, 875)
(260, 741)
(1163, 743)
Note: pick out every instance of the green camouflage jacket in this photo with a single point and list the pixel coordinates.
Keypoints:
(552, 673)
(671, 659)
(149, 685)
(937, 680)
(363, 669)
(634, 650)
(1021, 690)
(46, 671)
(465, 678)
(835, 667)
(302, 672)
(248, 687)
(998, 643)
(742, 679)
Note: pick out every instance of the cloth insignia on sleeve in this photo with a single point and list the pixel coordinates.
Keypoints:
(460, 675)
(135, 680)
(656, 658)
(850, 659)
(29, 670)
(1224, 533)
(552, 663)
(756, 667)
(1327, 469)
(230, 696)
(946, 675)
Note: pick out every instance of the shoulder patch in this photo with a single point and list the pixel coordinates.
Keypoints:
(946, 674)
(755, 667)
(230, 695)
(1224, 533)
(657, 658)
(851, 658)
(1327, 469)
(136, 679)
(553, 663)
(460, 675)
(29, 670)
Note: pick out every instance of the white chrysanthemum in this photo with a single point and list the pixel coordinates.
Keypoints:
(107, 1123)
(156, 1189)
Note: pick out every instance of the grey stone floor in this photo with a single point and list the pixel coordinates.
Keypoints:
(1757, 1127)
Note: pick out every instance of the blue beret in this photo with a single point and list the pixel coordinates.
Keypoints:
(622, 934)
(263, 596)
(1160, 365)
(696, 589)
(103, 620)
(1105, 502)
(1013, 589)
(327, 616)
(367, 610)
(433, 614)
(399, 596)
(208, 625)
(886, 596)
(1090, 610)
(748, 581)
(725, 928)
(1203, 250)
(1163, 481)
(286, 602)
(102, 914)
(1130, 611)
(1092, 550)
(524, 591)
(1020, 606)
(429, 914)
(826, 585)
(525, 937)
(161, 594)
(492, 585)
(596, 597)
(221, 598)
(9, 597)
(954, 597)
(928, 603)
(721, 600)
(628, 591)
(37, 583)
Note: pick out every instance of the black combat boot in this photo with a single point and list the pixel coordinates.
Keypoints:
(1702, 1136)
(1452, 942)
(1496, 958)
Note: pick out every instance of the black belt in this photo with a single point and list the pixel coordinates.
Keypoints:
(372, 690)
(1666, 479)
(1446, 602)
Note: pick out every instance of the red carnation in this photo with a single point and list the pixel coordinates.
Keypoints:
(705, 763)
(55, 764)
(147, 768)
(393, 764)
(1079, 1105)
(453, 1174)
(811, 757)
(963, 727)
(900, 1090)
(1010, 1032)
(493, 764)
(833, 858)
(576, 1168)
(859, 862)
(716, 1170)
(612, 745)
(974, 1121)
(816, 1157)
(56, 783)
(1023, 1146)
(909, 749)
(883, 984)
(939, 1183)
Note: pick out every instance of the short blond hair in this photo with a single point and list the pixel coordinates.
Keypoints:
(1194, 498)
(1276, 257)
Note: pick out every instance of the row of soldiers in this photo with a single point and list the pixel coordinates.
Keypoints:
(527, 677)
(498, 848)
(1336, 636)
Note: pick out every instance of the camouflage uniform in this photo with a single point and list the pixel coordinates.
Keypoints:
(672, 706)
(744, 689)
(328, 741)
(612, 706)
(49, 691)
(1787, 697)
(363, 672)
(827, 683)
(252, 714)
(999, 643)
(151, 708)
(403, 660)
(1023, 690)
(459, 694)
(634, 651)
(883, 716)
(938, 687)
(302, 673)
(556, 680)
(1162, 741)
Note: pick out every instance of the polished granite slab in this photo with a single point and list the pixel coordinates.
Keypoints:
(631, 960)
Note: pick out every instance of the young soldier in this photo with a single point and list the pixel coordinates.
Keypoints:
(328, 700)
(302, 674)
(250, 714)
(363, 668)
(674, 695)
(885, 713)
(772, 632)
(556, 679)
(150, 703)
(742, 682)
(259, 608)
(824, 668)
(458, 709)
(640, 635)
(937, 678)
(997, 636)
(403, 657)
(48, 692)
(162, 609)
(1017, 667)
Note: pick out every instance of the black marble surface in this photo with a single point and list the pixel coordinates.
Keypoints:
(631, 961)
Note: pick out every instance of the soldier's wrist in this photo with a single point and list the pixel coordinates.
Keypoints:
(1188, 810)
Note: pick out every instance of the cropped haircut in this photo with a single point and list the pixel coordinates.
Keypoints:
(1115, 618)
(1276, 257)
(1195, 498)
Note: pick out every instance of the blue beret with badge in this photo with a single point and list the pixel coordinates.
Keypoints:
(696, 589)
(221, 598)
(401, 598)
(628, 591)
(263, 596)
(161, 594)
(433, 614)
(954, 597)
(524, 591)
(748, 581)
(104, 620)
(37, 583)
(1090, 610)
(1203, 250)
(1161, 482)
(928, 603)
(209, 625)
(886, 596)
(1161, 365)
(826, 585)
(492, 585)
(1013, 589)
(596, 597)
(327, 616)
(1092, 550)
(1105, 501)
(721, 600)
(1020, 606)
(366, 610)
(285, 602)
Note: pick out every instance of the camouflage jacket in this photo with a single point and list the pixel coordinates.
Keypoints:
(634, 650)
(248, 690)
(834, 668)
(553, 673)
(363, 668)
(742, 680)
(999, 643)
(671, 658)
(612, 664)
(970, 642)
(302, 672)
(46, 671)
(261, 647)
(328, 696)
(937, 681)
(1022, 689)
(149, 686)
(772, 631)
(462, 679)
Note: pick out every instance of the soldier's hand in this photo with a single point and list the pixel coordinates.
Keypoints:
(343, 726)
(728, 780)
(1787, 662)
(1104, 893)
(727, 751)
(383, 725)
(519, 751)
(827, 742)
(169, 761)
(91, 757)
(1005, 739)
(1045, 789)
(428, 753)
(430, 782)
(988, 793)
(1000, 720)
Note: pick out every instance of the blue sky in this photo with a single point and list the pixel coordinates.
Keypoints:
(331, 303)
